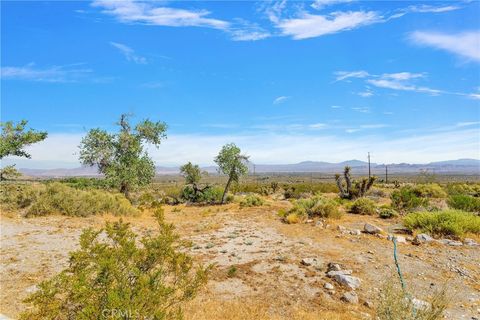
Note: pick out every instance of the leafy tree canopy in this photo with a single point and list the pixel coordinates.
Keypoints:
(231, 162)
(15, 137)
(121, 156)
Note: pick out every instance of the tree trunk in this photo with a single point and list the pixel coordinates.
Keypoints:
(226, 189)
(124, 189)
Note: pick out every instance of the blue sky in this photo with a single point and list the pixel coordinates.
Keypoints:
(327, 80)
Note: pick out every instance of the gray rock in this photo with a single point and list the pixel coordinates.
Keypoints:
(420, 304)
(400, 239)
(355, 232)
(328, 286)
(372, 229)
(332, 274)
(334, 266)
(350, 297)
(314, 262)
(422, 238)
(449, 242)
(470, 242)
(319, 224)
(368, 304)
(349, 281)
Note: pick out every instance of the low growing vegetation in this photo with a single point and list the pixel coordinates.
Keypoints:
(464, 202)
(363, 206)
(119, 277)
(251, 200)
(450, 223)
(396, 304)
(406, 199)
(352, 189)
(317, 206)
(58, 198)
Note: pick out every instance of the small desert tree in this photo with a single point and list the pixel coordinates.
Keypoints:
(192, 174)
(352, 189)
(121, 156)
(14, 138)
(115, 275)
(232, 163)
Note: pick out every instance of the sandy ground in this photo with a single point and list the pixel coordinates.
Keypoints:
(270, 280)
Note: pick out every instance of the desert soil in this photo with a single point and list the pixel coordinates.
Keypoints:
(270, 282)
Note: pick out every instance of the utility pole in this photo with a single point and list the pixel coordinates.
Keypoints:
(386, 174)
(369, 172)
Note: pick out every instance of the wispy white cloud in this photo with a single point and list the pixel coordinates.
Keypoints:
(468, 123)
(367, 93)
(361, 109)
(344, 75)
(243, 30)
(67, 73)
(129, 53)
(465, 44)
(308, 25)
(280, 99)
(424, 8)
(148, 13)
(320, 4)
(403, 81)
(287, 148)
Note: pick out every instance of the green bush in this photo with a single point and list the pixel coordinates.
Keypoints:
(464, 202)
(463, 189)
(406, 199)
(316, 206)
(395, 303)
(363, 206)
(113, 275)
(58, 198)
(387, 213)
(429, 190)
(251, 201)
(87, 183)
(18, 196)
(453, 223)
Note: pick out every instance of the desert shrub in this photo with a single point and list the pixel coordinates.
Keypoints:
(282, 213)
(251, 201)
(387, 213)
(58, 198)
(352, 189)
(406, 199)
(316, 206)
(18, 196)
(396, 304)
(213, 195)
(148, 200)
(363, 206)
(429, 190)
(113, 275)
(172, 195)
(464, 189)
(464, 202)
(292, 218)
(454, 223)
(87, 183)
(303, 190)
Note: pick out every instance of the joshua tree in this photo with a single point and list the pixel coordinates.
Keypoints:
(193, 175)
(353, 189)
(231, 163)
(14, 138)
(121, 156)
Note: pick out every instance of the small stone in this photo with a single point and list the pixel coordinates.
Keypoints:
(332, 274)
(355, 232)
(450, 242)
(319, 224)
(372, 229)
(350, 297)
(341, 228)
(312, 262)
(328, 286)
(309, 221)
(334, 267)
(470, 242)
(349, 281)
(368, 304)
(422, 238)
(420, 304)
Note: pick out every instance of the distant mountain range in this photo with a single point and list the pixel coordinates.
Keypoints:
(460, 166)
